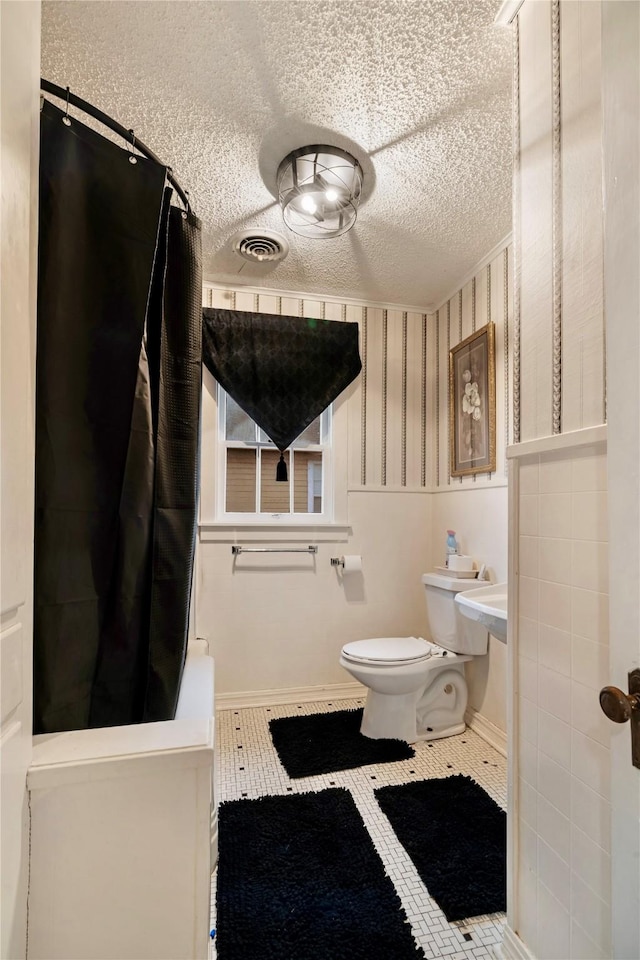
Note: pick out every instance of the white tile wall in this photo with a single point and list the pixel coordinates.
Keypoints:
(554, 783)
(555, 649)
(562, 562)
(555, 693)
(563, 749)
(554, 738)
(555, 514)
(554, 934)
(553, 827)
(590, 615)
(555, 602)
(528, 640)
(528, 804)
(560, 230)
(591, 813)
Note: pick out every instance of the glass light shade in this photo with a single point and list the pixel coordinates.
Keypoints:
(319, 190)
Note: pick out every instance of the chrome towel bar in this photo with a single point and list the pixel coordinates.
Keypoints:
(235, 550)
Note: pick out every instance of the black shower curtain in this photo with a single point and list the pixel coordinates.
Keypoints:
(117, 433)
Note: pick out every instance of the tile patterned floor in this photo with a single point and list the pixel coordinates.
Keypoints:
(248, 766)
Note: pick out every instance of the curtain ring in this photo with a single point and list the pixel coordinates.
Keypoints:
(132, 157)
(66, 119)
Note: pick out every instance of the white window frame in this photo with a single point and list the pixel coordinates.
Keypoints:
(311, 484)
(300, 528)
(257, 516)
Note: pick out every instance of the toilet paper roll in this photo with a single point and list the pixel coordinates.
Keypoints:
(351, 563)
(460, 562)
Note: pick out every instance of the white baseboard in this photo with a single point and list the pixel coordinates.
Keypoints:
(343, 691)
(512, 947)
(487, 730)
(269, 698)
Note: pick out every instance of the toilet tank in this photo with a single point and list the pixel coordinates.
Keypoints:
(448, 627)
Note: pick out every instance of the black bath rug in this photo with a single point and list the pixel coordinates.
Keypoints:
(299, 879)
(456, 836)
(326, 742)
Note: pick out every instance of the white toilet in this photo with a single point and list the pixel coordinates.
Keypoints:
(417, 690)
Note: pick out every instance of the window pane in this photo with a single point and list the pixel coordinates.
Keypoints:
(307, 481)
(263, 438)
(274, 494)
(239, 425)
(310, 435)
(241, 481)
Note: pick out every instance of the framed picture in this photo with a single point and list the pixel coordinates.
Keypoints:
(472, 404)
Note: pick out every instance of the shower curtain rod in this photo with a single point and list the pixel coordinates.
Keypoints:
(64, 94)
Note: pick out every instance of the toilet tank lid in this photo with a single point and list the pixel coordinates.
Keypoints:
(454, 584)
(388, 648)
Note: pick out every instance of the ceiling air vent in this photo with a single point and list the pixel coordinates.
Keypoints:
(260, 246)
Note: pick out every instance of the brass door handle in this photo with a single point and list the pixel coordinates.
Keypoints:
(617, 705)
(620, 707)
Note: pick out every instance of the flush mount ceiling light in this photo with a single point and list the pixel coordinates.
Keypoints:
(319, 190)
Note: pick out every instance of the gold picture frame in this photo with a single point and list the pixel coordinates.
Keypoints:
(472, 404)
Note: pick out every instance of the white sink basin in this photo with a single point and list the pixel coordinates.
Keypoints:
(488, 606)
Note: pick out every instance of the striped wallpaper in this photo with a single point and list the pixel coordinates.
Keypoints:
(398, 408)
(389, 415)
(559, 329)
(486, 296)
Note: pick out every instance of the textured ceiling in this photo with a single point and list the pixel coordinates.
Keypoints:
(419, 92)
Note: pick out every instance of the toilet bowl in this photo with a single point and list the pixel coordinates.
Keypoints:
(416, 688)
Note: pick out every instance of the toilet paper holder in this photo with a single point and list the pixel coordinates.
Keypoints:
(347, 563)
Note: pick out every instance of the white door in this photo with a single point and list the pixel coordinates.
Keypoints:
(20, 57)
(621, 100)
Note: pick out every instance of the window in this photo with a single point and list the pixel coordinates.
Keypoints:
(248, 488)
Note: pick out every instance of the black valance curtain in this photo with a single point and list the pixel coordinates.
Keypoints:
(117, 433)
(283, 371)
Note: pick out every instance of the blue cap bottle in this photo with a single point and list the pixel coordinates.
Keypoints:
(452, 545)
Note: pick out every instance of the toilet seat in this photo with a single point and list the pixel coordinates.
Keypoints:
(387, 651)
